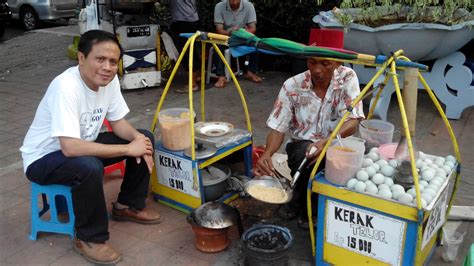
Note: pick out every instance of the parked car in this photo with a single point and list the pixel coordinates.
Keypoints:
(31, 12)
(5, 15)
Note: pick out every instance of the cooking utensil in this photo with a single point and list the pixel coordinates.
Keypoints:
(409, 95)
(268, 182)
(339, 140)
(302, 165)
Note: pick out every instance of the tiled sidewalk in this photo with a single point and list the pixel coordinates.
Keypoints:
(28, 63)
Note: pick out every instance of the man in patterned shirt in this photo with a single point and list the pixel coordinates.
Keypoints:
(309, 107)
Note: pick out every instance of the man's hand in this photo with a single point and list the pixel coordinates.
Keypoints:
(140, 146)
(264, 165)
(312, 157)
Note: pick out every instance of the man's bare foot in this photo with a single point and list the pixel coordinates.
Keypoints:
(221, 82)
(253, 77)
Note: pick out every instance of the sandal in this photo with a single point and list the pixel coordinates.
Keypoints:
(286, 212)
(185, 89)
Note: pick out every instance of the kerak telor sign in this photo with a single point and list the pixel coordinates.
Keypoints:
(175, 172)
(368, 233)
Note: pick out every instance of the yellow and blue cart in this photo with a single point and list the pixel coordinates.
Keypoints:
(176, 179)
(355, 228)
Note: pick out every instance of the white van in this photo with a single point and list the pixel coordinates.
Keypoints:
(31, 12)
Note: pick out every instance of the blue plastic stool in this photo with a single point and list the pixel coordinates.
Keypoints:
(53, 225)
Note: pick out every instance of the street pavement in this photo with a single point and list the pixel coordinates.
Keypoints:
(29, 62)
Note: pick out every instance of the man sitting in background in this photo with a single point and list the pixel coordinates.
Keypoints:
(231, 15)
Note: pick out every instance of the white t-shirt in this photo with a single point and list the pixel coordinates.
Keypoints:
(70, 109)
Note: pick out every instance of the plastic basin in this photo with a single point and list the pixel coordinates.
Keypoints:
(175, 128)
(375, 132)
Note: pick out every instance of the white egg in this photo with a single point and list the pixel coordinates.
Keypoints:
(419, 163)
(362, 175)
(351, 183)
(451, 158)
(449, 164)
(385, 193)
(370, 170)
(440, 179)
(436, 182)
(427, 197)
(446, 168)
(382, 162)
(393, 163)
(359, 186)
(374, 156)
(423, 202)
(397, 187)
(376, 167)
(397, 193)
(388, 182)
(425, 168)
(428, 175)
(428, 161)
(441, 172)
(421, 187)
(412, 192)
(378, 179)
(387, 170)
(434, 166)
(366, 162)
(383, 186)
(438, 163)
(430, 191)
(439, 159)
(372, 189)
(421, 155)
(405, 198)
(369, 183)
(423, 182)
(375, 149)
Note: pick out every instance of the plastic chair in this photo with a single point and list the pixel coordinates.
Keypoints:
(51, 193)
(228, 57)
(116, 166)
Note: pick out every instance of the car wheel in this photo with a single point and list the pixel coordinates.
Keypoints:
(28, 18)
(2, 29)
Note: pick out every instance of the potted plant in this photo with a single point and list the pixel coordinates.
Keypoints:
(424, 29)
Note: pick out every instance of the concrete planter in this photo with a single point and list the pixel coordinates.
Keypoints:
(420, 41)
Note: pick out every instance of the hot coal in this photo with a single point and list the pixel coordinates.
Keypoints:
(269, 240)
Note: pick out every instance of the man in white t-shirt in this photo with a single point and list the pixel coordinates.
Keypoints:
(63, 146)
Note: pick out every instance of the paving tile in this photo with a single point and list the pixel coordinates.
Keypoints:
(12, 181)
(186, 259)
(39, 253)
(122, 241)
(13, 242)
(70, 258)
(146, 253)
(171, 234)
(18, 214)
(10, 199)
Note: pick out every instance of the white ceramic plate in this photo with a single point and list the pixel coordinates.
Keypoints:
(213, 129)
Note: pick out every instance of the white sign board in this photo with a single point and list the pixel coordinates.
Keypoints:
(436, 219)
(175, 172)
(368, 233)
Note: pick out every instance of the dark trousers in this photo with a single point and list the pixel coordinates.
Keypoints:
(296, 151)
(178, 27)
(84, 174)
(220, 67)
